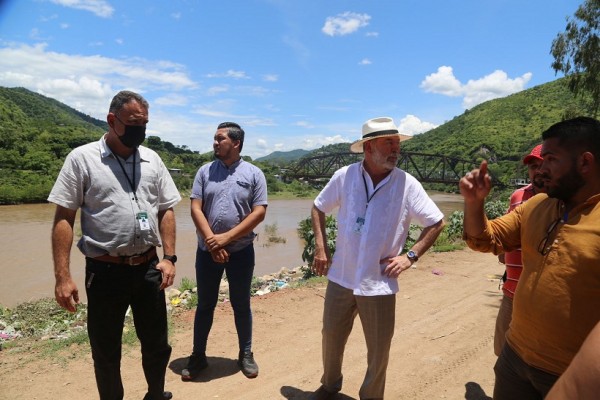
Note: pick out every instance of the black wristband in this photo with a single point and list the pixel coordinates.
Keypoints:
(172, 258)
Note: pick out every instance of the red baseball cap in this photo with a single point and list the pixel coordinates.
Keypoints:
(534, 155)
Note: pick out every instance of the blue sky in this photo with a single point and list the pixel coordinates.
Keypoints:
(294, 73)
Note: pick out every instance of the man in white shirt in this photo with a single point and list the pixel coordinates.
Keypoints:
(377, 202)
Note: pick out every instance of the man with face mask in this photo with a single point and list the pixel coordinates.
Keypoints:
(557, 301)
(126, 196)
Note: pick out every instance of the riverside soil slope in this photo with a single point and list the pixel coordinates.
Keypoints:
(442, 348)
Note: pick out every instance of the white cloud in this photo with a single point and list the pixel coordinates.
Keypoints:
(318, 141)
(304, 124)
(64, 25)
(262, 144)
(412, 125)
(492, 86)
(99, 7)
(215, 90)
(365, 61)
(35, 34)
(474, 92)
(176, 15)
(85, 82)
(270, 78)
(258, 91)
(172, 99)
(229, 74)
(119, 41)
(372, 34)
(345, 23)
(442, 82)
(176, 128)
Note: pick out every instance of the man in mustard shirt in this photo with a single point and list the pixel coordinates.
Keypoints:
(557, 302)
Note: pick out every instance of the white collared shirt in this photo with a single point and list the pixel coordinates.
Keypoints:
(395, 203)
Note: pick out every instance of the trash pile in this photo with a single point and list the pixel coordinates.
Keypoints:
(260, 286)
(44, 319)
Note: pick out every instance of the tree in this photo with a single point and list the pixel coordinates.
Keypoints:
(576, 52)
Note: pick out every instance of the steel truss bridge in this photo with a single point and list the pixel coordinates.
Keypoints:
(425, 167)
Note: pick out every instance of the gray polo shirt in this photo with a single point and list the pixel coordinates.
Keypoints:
(228, 196)
(92, 179)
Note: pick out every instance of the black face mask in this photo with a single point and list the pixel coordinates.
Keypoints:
(133, 136)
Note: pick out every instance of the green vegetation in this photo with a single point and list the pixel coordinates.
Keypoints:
(575, 53)
(36, 134)
(283, 158)
(306, 233)
(45, 319)
(186, 284)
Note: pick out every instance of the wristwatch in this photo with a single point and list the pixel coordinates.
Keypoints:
(172, 258)
(412, 256)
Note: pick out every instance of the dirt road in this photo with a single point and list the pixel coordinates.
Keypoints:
(442, 348)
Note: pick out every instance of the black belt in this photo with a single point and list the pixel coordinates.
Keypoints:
(128, 260)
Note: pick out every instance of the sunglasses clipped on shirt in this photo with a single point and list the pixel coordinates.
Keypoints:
(546, 242)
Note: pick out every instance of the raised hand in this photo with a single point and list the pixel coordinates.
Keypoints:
(476, 185)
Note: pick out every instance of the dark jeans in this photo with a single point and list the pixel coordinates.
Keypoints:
(239, 270)
(111, 288)
(517, 380)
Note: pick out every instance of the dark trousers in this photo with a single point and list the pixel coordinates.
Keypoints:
(239, 270)
(517, 380)
(111, 289)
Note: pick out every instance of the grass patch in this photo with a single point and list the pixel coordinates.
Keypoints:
(186, 284)
(290, 195)
(309, 282)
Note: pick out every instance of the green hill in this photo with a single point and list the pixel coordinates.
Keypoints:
(502, 130)
(37, 132)
(283, 157)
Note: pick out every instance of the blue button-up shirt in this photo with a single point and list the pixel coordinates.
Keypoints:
(228, 196)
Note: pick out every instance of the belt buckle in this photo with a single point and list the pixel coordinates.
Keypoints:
(130, 260)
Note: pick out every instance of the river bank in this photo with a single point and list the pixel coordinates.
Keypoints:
(25, 244)
(442, 347)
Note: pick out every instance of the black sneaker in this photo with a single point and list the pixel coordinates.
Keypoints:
(165, 396)
(196, 363)
(247, 364)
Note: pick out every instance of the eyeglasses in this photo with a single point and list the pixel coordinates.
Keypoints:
(543, 247)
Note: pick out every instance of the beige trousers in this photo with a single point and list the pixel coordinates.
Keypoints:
(377, 315)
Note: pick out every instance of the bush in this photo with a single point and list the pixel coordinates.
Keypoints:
(454, 225)
(305, 231)
(495, 209)
(186, 284)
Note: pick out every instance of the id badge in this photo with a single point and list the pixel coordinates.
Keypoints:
(142, 218)
(358, 225)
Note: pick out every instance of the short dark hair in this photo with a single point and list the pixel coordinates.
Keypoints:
(125, 97)
(234, 131)
(579, 134)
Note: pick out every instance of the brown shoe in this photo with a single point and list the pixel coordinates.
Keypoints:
(322, 394)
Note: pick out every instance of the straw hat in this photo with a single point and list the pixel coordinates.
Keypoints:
(376, 128)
